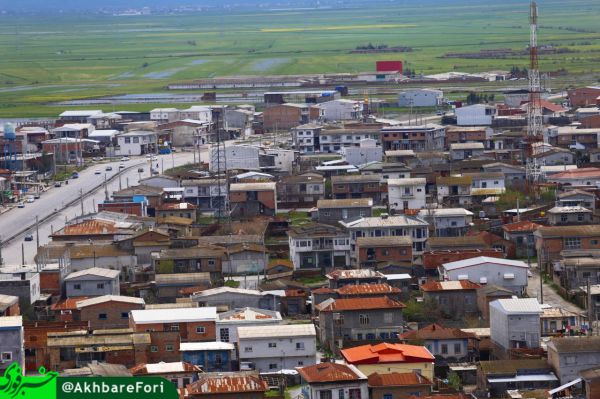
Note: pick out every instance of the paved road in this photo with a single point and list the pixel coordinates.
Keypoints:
(56, 198)
(551, 297)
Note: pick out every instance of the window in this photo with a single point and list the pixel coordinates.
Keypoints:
(224, 334)
(76, 286)
(444, 349)
(354, 393)
(169, 347)
(100, 286)
(363, 319)
(388, 317)
(136, 140)
(248, 349)
(153, 348)
(340, 394)
(594, 242)
(102, 316)
(571, 360)
(572, 243)
(299, 346)
(124, 315)
(174, 327)
(127, 140)
(387, 396)
(580, 218)
(6, 356)
(326, 394)
(272, 366)
(300, 363)
(212, 262)
(457, 349)
(218, 359)
(564, 218)
(272, 345)
(200, 330)
(385, 252)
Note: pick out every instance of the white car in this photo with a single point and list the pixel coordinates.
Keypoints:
(124, 159)
(30, 199)
(154, 158)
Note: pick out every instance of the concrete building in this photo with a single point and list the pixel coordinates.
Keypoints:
(9, 305)
(569, 215)
(243, 157)
(11, 342)
(367, 151)
(475, 115)
(209, 356)
(448, 222)
(578, 198)
(21, 282)
(331, 211)
(138, 142)
(398, 385)
(206, 194)
(406, 193)
(108, 311)
(253, 199)
(286, 116)
(429, 137)
(296, 190)
(568, 356)
(236, 298)
(92, 282)
(279, 347)
(318, 246)
(307, 138)
(456, 299)
(420, 98)
(341, 110)
(333, 140)
(463, 151)
(179, 373)
(371, 251)
(358, 186)
(229, 322)
(448, 345)
(333, 380)
(510, 274)
(191, 324)
(514, 325)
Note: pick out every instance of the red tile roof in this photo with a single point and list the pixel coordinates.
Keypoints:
(397, 379)
(231, 383)
(295, 293)
(577, 173)
(435, 331)
(362, 289)
(431, 286)
(362, 304)
(323, 290)
(67, 304)
(328, 372)
(89, 227)
(387, 353)
(522, 226)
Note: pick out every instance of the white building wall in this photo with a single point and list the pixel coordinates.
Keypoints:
(397, 196)
(420, 98)
(474, 115)
(493, 274)
(285, 355)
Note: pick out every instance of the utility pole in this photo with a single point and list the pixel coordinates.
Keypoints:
(1, 260)
(37, 232)
(590, 308)
(105, 189)
(120, 186)
(22, 254)
(81, 200)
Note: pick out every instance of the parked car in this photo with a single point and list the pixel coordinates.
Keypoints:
(108, 168)
(97, 172)
(28, 237)
(30, 199)
(75, 175)
(36, 196)
(124, 159)
(97, 159)
(121, 166)
(57, 184)
(155, 172)
(140, 170)
(21, 205)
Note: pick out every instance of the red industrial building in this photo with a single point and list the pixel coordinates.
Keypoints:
(389, 66)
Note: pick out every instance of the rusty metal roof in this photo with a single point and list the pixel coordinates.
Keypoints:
(330, 372)
(209, 384)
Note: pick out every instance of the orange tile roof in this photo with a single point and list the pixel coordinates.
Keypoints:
(431, 286)
(67, 304)
(362, 289)
(577, 173)
(387, 353)
(435, 331)
(89, 227)
(397, 379)
(323, 290)
(362, 304)
(522, 226)
(328, 372)
(231, 383)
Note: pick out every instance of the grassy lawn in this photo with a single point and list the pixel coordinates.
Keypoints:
(298, 218)
(45, 59)
(232, 284)
(311, 280)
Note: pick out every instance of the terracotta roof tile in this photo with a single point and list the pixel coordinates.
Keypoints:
(363, 289)
(435, 331)
(387, 353)
(323, 290)
(397, 379)
(522, 226)
(328, 372)
(68, 304)
(362, 304)
(431, 286)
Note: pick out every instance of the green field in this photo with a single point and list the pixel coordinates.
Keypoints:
(56, 58)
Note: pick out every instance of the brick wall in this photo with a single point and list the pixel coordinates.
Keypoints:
(113, 310)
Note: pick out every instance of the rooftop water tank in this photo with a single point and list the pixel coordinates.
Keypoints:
(9, 131)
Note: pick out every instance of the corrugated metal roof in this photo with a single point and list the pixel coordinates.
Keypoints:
(397, 379)
(481, 260)
(590, 230)
(518, 305)
(11, 321)
(466, 146)
(389, 221)
(180, 315)
(345, 203)
(349, 304)
(110, 298)
(210, 384)
(284, 331)
(262, 186)
(94, 271)
(363, 289)
(250, 315)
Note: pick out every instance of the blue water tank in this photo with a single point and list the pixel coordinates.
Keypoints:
(9, 131)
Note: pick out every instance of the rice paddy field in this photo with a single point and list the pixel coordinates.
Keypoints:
(46, 59)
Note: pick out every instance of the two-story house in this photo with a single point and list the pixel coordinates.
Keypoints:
(253, 199)
(342, 321)
(514, 324)
(205, 259)
(429, 137)
(448, 222)
(333, 381)
(333, 140)
(318, 246)
(448, 345)
(371, 251)
(206, 194)
(406, 193)
(462, 151)
(301, 190)
(569, 215)
(358, 186)
(108, 311)
(550, 241)
(92, 282)
(273, 348)
(456, 299)
(331, 211)
(570, 355)
(11, 342)
(577, 197)
(306, 138)
(454, 190)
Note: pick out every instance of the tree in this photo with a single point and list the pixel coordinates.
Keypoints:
(508, 200)
(426, 311)
(454, 380)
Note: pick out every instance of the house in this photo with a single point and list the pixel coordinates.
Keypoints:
(489, 293)
(591, 382)
(179, 373)
(187, 132)
(347, 320)
(398, 385)
(368, 151)
(246, 259)
(428, 137)
(475, 115)
(105, 256)
(573, 137)
(550, 241)
(554, 156)
(306, 138)
(448, 222)
(333, 380)
(334, 139)
(521, 233)
(253, 199)
(170, 286)
(11, 342)
(180, 210)
(21, 282)
(455, 299)
(226, 385)
(341, 110)
(341, 278)
(400, 157)
(164, 115)
(497, 376)
(206, 194)
(371, 251)
(385, 225)
(78, 116)
(192, 324)
(569, 215)
(583, 96)
(69, 150)
(556, 320)
(510, 274)
(578, 198)
(432, 260)
(94, 230)
(448, 345)
(108, 311)
(9, 305)
(515, 325)
(514, 175)
(204, 259)
(319, 246)
(468, 134)
(486, 183)
(303, 189)
(420, 98)
(92, 282)
(577, 177)
(227, 298)
(357, 186)
(331, 211)
(209, 356)
(462, 151)
(389, 358)
(273, 348)
(406, 193)
(322, 294)
(229, 322)
(454, 190)
(137, 142)
(234, 157)
(568, 356)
